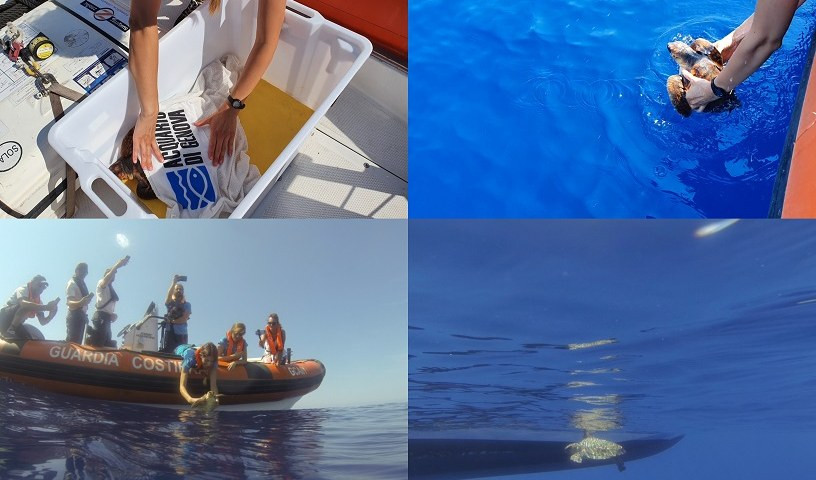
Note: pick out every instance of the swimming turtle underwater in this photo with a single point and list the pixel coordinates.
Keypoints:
(703, 60)
(125, 169)
(594, 448)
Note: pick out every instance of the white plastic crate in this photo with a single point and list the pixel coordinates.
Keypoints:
(314, 61)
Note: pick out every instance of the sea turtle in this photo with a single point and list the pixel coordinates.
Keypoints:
(208, 402)
(125, 169)
(703, 60)
(594, 448)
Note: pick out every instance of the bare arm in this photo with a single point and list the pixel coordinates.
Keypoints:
(121, 263)
(74, 301)
(270, 22)
(223, 122)
(170, 290)
(770, 21)
(214, 380)
(183, 388)
(144, 66)
(730, 42)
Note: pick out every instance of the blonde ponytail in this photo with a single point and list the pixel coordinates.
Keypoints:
(214, 4)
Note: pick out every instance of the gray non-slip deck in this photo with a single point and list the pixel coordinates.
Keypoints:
(354, 165)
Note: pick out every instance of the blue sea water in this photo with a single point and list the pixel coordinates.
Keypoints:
(547, 108)
(47, 436)
(546, 329)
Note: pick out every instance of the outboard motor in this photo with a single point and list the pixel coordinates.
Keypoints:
(142, 335)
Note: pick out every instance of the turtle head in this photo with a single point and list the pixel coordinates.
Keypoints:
(576, 457)
(682, 54)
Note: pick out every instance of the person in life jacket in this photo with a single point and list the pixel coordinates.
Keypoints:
(99, 331)
(273, 340)
(233, 347)
(178, 313)
(198, 361)
(23, 304)
(78, 299)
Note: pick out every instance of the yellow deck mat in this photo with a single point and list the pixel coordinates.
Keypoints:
(271, 120)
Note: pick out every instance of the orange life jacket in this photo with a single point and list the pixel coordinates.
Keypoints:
(232, 347)
(274, 340)
(34, 299)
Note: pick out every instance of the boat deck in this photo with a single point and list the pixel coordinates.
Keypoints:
(355, 163)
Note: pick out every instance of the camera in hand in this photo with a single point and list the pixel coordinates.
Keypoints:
(182, 278)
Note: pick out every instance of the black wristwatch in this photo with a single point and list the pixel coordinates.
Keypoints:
(235, 103)
(719, 92)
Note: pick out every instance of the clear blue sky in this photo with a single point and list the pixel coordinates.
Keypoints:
(340, 287)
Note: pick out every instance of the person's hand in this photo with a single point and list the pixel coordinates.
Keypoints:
(232, 365)
(144, 141)
(113, 317)
(87, 299)
(223, 124)
(52, 305)
(198, 401)
(698, 93)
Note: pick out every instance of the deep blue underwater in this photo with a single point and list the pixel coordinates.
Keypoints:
(48, 436)
(551, 108)
(626, 329)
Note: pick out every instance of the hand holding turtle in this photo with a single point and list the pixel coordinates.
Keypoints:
(698, 93)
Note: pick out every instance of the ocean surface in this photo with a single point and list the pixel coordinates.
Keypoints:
(551, 108)
(545, 330)
(49, 436)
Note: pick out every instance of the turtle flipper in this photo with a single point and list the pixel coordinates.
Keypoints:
(704, 47)
(677, 95)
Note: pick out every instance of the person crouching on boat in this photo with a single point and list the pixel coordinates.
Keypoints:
(25, 303)
(272, 340)
(78, 299)
(178, 313)
(99, 331)
(202, 360)
(233, 347)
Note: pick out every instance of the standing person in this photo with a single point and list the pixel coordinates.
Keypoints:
(202, 360)
(99, 332)
(78, 299)
(144, 65)
(273, 340)
(233, 348)
(178, 313)
(745, 49)
(25, 303)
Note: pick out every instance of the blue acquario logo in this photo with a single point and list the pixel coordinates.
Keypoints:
(192, 186)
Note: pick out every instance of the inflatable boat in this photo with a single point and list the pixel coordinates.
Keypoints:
(151, 377)
(794, 195)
